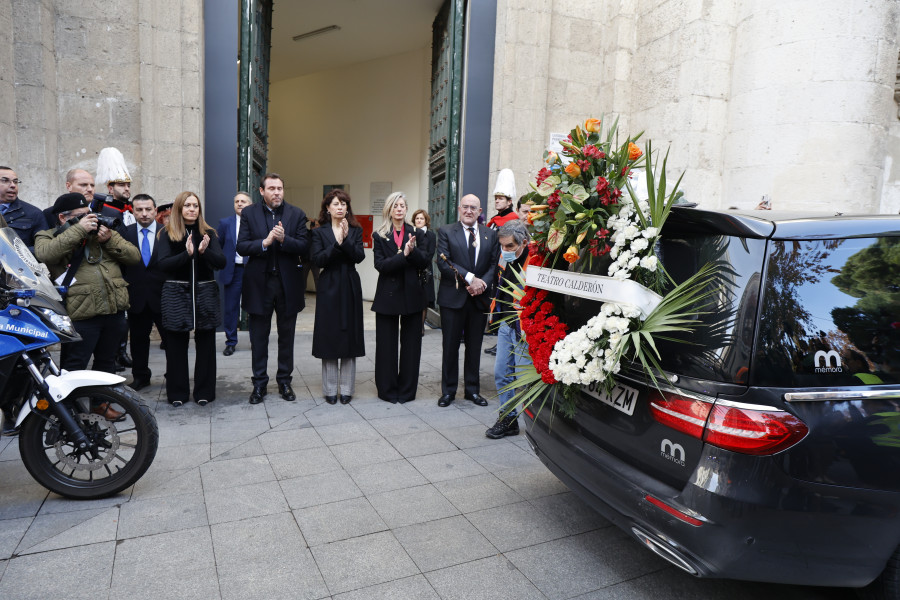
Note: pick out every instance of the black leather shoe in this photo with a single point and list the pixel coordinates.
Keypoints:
(477, 399)
(258, 393)
(503, 427)
(228, 351)
(346, 399)
(139, 384)
(445, 400)
(492, 350)
(286, 392)
(331, 399)
(123, 359)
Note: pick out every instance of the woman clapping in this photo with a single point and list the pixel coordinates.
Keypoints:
(399, 301)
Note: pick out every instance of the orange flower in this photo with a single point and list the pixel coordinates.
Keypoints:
(633, 151)
(573, 170)
(592, 125)
(552, 157)
(571, 254)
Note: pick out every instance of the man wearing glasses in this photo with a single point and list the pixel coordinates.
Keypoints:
(24, 218)
(472, 253)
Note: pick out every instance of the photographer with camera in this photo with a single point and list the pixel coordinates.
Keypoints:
(85, 254)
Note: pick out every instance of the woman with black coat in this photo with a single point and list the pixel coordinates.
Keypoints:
(428, 244)
(336, 248)
(399, 301)
(189, 250)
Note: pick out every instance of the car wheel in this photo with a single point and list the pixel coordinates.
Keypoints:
(887, 585)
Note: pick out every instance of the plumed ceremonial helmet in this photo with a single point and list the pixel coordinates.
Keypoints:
(506, 184)
(111, 167)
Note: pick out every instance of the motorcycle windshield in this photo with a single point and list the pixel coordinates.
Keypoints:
(21, 270)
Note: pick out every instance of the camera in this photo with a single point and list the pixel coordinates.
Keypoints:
(108, 222)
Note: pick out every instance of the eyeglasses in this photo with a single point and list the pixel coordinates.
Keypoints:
(470, 208)
(8, 180)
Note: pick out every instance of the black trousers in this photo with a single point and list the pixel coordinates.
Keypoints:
(100, 337)
(140, 324)
(397, 383)
(260, 326)
(178, 380)
(467, 324)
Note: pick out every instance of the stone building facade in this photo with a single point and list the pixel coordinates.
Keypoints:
(77, 76)
(794, 100)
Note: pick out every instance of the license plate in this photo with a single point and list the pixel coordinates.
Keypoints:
(621, 397)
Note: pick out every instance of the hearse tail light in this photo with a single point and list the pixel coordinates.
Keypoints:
(681, 413)
(752, 429)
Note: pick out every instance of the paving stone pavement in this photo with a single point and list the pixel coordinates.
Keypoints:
(307, 500)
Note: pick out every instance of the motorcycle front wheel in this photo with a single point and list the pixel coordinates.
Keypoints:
(124, 444)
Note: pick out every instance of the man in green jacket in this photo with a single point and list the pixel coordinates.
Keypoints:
(98, 294)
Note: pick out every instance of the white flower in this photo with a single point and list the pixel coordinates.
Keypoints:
(649, 262)
(631, 232)
(639, 244)
(651, 232)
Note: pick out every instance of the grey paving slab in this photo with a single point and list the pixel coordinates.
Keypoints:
(224, 474)
(175, 458)
(13, 473)
(470, 494)
(366, 452)
(409, 588)
(331, 414)
(345, 433)
(532, 482)
(515, 526)
(443, 543)
(448, 418)
(419, 444)
(363, 561)
(386, 476)
(399, 425)
(469, 436)
(566, 567)
(238, 432)
(160, 515)
(243, 502)
(168, 483)
(412, 505)
(67, 530)
(492, 578)
(58, 504)
(319, 488)
(289, 440)
(379, 409)
(288, 465)
(570, 512)
(176, 565)
(502, 455)
(76, 573)
(446, 465)
(337, 521)
(265, 558)
(184, 435)
(228, 450)
(22, 500)
(12, 532)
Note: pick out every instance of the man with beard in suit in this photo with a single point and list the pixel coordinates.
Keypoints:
(472, 252)
(144, 288)
(273, 237)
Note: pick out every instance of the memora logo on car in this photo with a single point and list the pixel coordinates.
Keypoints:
(823, 360)
(672, 451)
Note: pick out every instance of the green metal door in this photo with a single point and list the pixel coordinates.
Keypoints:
(446, 112)
(253, 115)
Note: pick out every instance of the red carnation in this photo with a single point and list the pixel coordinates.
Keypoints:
(543, 174)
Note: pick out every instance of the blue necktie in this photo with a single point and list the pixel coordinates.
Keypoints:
(145, 247)
(3, 208)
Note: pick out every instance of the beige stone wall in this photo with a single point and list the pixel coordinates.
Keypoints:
(90, 74)
(793, 100)
(8, 150)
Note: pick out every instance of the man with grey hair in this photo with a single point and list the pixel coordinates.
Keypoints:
(512, 350)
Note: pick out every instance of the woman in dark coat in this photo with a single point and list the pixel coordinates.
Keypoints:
(336, 248)
(188, 239)
(421, 220)
(399, 300)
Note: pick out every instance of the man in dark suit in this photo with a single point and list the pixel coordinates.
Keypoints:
(273, 236)
(232, 276)
(473, 252)
(25, 219)
(145, 282)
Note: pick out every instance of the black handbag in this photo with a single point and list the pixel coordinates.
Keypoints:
(209, 309)
(177, 306)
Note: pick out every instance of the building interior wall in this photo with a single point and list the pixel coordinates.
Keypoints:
(354, 126)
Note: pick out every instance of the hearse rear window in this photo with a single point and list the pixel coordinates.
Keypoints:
(830, 314)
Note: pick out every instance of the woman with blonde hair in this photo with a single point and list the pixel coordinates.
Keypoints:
(189, 253)
(399, 301)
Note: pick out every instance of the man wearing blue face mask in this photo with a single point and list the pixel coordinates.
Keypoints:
(512, 351)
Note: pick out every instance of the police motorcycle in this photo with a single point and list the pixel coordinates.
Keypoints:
(82, 434)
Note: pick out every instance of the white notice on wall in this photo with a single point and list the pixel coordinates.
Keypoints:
(378, 193)
(555, 139)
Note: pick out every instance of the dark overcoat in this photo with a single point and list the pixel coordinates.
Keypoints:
(338, 329)
(144, 283)
(399, 291)
(429, 243)
(256, 223)
(451, 242)
(227, 239)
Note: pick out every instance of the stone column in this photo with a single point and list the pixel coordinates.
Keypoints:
(9, 153)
